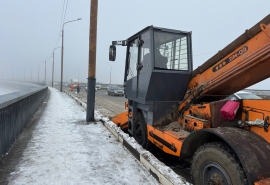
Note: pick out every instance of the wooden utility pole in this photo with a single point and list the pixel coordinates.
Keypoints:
(91, 83)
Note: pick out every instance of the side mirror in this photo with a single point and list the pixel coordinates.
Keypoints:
(112, 53)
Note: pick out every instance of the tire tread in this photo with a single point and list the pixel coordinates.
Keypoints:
(229, 153)
(146, 144)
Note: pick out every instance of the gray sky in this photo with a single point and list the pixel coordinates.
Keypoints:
(30, 30)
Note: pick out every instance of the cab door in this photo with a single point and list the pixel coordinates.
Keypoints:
(131, 74)
(145, 64)
(139, 66)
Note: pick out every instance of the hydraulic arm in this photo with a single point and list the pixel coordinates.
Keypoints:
(244, 66)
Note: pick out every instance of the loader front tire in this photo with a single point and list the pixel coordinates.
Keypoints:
(216, 163)
(140, 132)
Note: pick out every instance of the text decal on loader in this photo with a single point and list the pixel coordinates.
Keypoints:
(230, 58)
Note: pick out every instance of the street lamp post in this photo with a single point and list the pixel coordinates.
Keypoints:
(38, 69)
(45, 73)
(45, 68)
(110, 72)
(62, 53)
(38, 72)
(79, 76)
(91, 80)
(53, 65)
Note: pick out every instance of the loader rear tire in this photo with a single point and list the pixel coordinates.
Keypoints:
(140, 132)
(216, 163)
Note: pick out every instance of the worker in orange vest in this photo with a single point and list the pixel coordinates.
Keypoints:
(78, 88)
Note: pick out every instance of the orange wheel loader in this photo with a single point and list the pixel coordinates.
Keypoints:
(185, 112)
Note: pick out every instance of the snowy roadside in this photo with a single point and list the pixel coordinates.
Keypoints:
(64, 149)
(159, 170)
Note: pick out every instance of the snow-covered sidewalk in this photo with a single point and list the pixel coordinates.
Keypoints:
(64, 149)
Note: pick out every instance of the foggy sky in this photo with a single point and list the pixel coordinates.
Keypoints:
(30, 30)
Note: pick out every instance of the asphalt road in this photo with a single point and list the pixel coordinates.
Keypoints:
(108, 106)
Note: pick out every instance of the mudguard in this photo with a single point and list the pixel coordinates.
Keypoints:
(121, 120)
(252, 151)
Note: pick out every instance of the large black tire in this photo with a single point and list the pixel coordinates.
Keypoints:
(140, 132)
(216, 163)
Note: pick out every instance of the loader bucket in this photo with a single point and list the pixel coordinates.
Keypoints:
(121, 120)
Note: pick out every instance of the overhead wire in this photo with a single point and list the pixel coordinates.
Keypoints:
(65, 12)
(62, 20)
(64, 9)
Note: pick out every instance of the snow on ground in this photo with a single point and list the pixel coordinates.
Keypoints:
(161, 167)
(64, 149)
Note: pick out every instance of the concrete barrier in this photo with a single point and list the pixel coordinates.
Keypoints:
(16, 109)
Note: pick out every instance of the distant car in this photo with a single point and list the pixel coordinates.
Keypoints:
(98, 86)
(86, 88)
(115, 91)
(243, 95)
(110, 85)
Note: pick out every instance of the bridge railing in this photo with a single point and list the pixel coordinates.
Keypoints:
(16, 110)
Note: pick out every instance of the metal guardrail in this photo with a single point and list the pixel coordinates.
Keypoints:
(16, 109)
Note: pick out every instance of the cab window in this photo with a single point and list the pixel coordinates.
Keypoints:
(132, 59)
(145, 53)
(170, 51)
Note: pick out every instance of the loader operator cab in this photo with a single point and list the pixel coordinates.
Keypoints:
(158, 64)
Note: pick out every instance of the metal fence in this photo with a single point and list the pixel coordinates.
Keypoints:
(16, 109)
